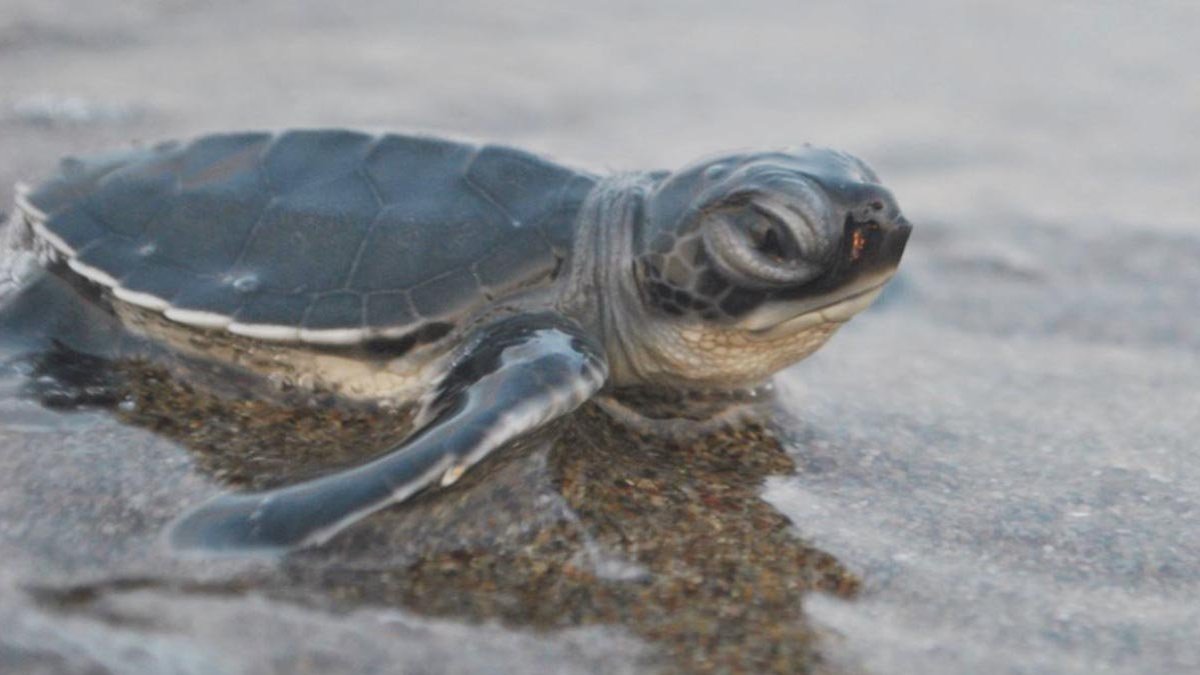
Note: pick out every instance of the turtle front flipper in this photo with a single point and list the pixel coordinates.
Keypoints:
(510, 378)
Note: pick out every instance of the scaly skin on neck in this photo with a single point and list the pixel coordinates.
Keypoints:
(602, 291)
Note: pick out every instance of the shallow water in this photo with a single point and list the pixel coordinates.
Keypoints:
(996, 467)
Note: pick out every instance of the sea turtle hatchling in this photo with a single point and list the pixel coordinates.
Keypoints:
(494, 289)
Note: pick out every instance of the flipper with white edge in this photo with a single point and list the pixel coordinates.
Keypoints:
(511, 378)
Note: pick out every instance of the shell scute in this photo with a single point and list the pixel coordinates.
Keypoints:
(220, 158)
(129, 198)
(412, 242)
(389, 308)
(307, 241)
(210, 296)
(447, 296)
(158, 281)
(416, 171)
(343, 309)
(298, 160)
(272, 308)
(76, 228)
(525, 186)
(521, 259)
(179, 237)
(110, 255)
(77, 178)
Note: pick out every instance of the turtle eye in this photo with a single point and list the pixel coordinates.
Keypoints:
(769, 235)
(754, 246)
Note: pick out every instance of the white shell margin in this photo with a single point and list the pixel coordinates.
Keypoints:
(190, 317)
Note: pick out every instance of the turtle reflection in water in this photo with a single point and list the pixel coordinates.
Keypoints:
(485, 289)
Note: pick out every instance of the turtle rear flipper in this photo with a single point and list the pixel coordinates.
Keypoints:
(511, 378)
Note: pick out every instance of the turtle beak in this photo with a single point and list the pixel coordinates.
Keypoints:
(894, 239)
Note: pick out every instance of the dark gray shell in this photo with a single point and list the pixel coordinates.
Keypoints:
(323, 236)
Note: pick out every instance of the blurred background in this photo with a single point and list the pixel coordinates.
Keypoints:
(1004, 449)
(1074, 111)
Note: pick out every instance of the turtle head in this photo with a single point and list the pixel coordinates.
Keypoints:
(758, 258)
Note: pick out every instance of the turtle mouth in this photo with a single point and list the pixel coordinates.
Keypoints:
(787, 318)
